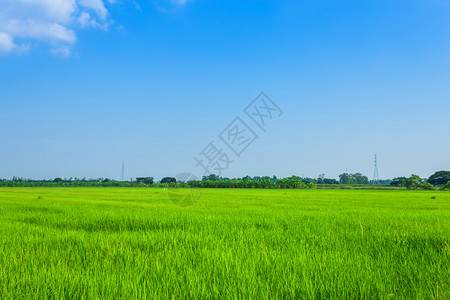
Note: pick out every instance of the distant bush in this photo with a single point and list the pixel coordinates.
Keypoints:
(427, 186)
(311, 185)
(446, 186)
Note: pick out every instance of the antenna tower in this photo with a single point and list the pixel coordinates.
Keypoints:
(376, 177)
(122, 178)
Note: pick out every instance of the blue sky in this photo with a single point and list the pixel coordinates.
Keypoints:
(86, 84)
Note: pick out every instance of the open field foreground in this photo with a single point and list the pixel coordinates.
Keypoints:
(233, 243)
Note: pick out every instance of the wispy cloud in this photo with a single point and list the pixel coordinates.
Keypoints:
(50, 22)
(169, 6)
(61, 51)
(6, 42)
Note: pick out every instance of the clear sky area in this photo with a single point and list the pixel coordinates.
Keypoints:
(87, 84)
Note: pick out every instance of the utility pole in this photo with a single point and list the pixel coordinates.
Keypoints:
(122, 178)
(376, 177)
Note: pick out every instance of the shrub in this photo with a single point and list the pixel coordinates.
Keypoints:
(446, 186)
(427, 186)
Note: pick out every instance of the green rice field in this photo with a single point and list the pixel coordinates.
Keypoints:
(135, 243)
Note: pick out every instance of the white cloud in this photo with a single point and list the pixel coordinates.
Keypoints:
(96, 5)
(51, 10)
(61, 51)
(53, 22)
(6, 42)
(85, 20)
(40, 30)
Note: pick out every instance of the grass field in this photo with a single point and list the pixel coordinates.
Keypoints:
(233, 243)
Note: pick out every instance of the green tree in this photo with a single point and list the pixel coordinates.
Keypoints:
(330, 181)
(439, 178)
(295, 182)
(414, 182)
(168, 180)
(359, 178)
(144, 180)
(345, 178)
(212, 177)
(398, 181)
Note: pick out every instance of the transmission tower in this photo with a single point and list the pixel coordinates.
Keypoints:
(122, 178)
(376, 177)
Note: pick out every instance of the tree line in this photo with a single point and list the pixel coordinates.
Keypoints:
(210, 181)
(439, 179)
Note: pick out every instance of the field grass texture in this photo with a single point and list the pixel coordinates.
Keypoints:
(231, 243)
